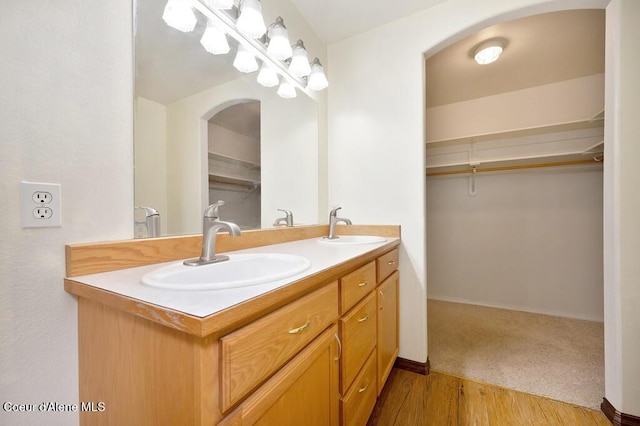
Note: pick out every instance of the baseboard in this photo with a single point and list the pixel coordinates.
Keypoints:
(616, 417)
(593, 318)
(413, 366)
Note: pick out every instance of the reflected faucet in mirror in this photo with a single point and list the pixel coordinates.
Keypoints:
(151, 221)
(287, 219)
(210, 227)
(333, 220)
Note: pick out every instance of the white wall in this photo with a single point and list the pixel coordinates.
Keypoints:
(562, 102)
(376, 130)
(529, 240)
(622, 207)
(66, 117)
(150, 156)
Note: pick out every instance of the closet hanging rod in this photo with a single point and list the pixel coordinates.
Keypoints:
(518, 167)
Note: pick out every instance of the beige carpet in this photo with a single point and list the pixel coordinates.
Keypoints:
(555, 357)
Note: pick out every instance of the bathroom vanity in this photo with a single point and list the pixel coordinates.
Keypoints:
(313, 349)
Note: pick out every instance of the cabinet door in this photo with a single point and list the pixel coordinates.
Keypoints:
(388, 344)
(303, 392)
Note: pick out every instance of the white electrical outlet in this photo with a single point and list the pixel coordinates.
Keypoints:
(41, 205)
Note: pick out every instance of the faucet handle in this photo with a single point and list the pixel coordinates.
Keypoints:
(286, 212)
(334, 212)
(148, 211)
(212, 210)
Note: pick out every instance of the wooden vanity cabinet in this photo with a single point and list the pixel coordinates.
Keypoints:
(320, 358)
(387, 316)
(303, 392)
(369, 334)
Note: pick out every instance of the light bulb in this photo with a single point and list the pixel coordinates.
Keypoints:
(250, 20)
(267, 76)
(488, 52)
(317, 80)
(245, 61)
(179, 15)
(279, 45)
(214, 40)
(299, 65)
(286, 90)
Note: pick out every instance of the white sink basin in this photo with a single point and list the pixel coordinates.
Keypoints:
(239, 271)
(354, 239)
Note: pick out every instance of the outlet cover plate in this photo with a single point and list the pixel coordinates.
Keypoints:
(31, 198)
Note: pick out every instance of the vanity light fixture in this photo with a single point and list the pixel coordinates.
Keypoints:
(267, 76)
(250, 21)
(317, 80)
(214, 40)
(488, 51)
(220, 4)
(286, 90)
(179, 15)
(294, 71)
(279, 45)
(299, 65)
(245, 61)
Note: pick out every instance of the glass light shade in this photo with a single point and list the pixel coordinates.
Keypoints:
(317, 80)
(267, 76)
(279, 45)
(299, 65)
(245, 61)
(488, 53)
(179, 15)
(214, 40)
(286, 90)
(250, 21)
(220, 4)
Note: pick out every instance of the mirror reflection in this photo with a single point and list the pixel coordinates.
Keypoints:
(206, 132)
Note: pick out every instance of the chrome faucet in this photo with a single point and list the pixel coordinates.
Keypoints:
(210, 227)
(287, 219)
(333, 220)
(152, 221)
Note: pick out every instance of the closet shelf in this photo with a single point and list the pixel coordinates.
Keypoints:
(232, 180)
(511, 164)
(233, 160)
(591, 122)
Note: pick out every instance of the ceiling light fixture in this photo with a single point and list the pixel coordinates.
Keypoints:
(178, 14)
(488, 51)
(250, 20)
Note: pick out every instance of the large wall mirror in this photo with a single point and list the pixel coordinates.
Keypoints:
(206, 132)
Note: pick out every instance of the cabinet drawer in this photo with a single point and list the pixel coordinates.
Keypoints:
(359, 401)
(358, 333)
(252, 353)
(386, 264)
(355, 285)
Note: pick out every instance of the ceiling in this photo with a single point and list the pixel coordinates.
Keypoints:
(335, 20)
(540, 49)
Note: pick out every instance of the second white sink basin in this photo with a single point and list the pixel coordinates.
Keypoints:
(239, 271)
(354, 239)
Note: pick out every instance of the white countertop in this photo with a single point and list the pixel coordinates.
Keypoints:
(203, 303)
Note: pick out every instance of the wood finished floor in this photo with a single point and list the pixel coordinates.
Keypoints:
(442, 400)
